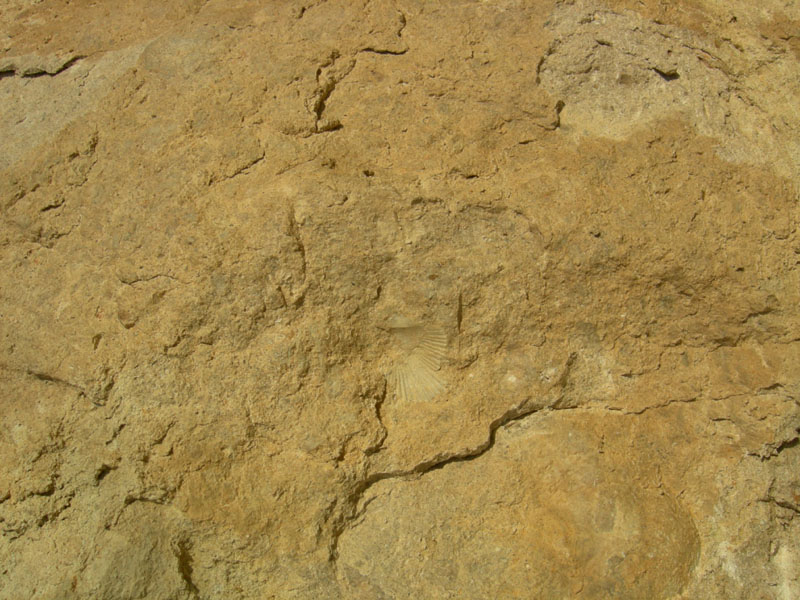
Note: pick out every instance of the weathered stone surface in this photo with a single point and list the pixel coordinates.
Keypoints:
(215, 216)
(518, 519)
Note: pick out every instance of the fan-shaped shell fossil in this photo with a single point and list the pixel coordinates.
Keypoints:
(419, 352)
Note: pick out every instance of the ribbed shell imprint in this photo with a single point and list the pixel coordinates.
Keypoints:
(421, 348)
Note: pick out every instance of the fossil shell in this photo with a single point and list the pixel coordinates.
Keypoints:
(420, 350)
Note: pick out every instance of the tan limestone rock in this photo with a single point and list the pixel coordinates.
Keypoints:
(331, 300)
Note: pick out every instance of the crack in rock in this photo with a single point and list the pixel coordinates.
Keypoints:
(516, 413)
(33, 65)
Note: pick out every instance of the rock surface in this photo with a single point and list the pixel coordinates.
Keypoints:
(216, 216)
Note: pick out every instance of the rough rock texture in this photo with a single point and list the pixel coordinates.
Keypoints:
(213, 214)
